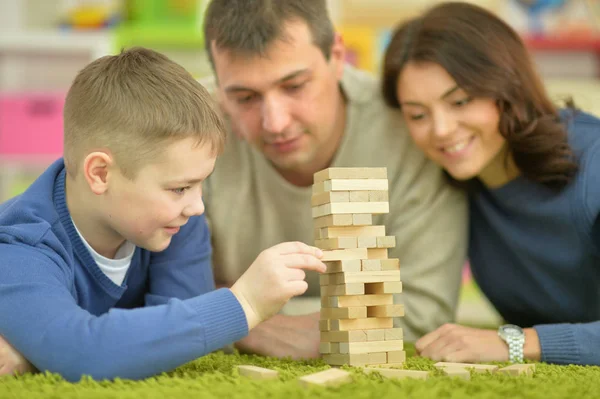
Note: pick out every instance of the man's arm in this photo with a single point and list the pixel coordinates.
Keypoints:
(430, 222)
(40, 318)
(184, 270)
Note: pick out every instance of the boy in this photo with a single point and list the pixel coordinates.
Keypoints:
(106, 258)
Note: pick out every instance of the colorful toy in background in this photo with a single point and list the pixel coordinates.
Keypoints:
(164, 12)
(91, 14)
(551, 18)
(535, 10)
(365, 46)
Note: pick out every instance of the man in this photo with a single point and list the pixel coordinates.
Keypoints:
(296, 108)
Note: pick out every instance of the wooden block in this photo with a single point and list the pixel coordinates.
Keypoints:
(371, 347)
(396, 357)
(379, 196)
(458, 372)
(377, 253)
(380, 264)
(398, 374)
(333, 220)
(324, 279)
(377, 357)
(338, 208)
(386, 242)
(376, 335)
(355, 359)
(329, 347)
(350, 173)
(350, 185)
(325, 347)
(258, 373)
(388, 287)
(362, 219)
(390, 264)
(329, 197)
(356, 300)
(338, 266)
(336, 243)
(518, 369)
(345, 254)
(393, 334)
(317, 235)
(361, 324)
(366, 242)
(478, 368)
(385, 311)
(343, 289)
(371, 265)
(324, 325)
(352, 231)
(354, 312)
(363, 277)
(344, 336)
(359, 196)
(331, 377)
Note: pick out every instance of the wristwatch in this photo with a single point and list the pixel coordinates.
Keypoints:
(514, 336)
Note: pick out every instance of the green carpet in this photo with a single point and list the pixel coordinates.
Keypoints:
(215, 376)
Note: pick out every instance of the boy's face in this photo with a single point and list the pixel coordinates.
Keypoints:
(150, 209)
(286, 103)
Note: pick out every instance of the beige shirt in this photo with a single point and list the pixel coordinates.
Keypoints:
(250, 207)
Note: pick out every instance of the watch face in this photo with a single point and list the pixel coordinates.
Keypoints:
(512, 330)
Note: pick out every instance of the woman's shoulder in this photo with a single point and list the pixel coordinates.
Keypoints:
(584, 138)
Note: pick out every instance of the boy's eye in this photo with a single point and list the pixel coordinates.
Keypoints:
(180, 190)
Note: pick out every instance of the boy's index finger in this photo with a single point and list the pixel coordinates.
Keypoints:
(298, 247)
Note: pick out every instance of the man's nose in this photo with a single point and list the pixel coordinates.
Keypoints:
(275, 115)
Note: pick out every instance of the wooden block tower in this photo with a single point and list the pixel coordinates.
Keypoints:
(357, 302)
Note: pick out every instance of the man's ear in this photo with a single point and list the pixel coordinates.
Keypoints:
(97, 167)
(338, 55)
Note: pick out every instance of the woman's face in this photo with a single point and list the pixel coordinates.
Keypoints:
(455, 130)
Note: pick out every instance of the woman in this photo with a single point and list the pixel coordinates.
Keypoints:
(474, 104)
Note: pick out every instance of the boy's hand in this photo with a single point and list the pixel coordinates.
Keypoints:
(11, 361)
(274, 278)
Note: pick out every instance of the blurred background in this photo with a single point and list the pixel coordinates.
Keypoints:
(44, 43)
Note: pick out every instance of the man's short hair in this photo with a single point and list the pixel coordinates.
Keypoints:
(133, 104)
(248, 27)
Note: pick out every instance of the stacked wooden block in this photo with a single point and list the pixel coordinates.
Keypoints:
(357, 302)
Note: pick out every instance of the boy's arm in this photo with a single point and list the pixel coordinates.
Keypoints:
(184, 269)
(430, 222)
(41, 319)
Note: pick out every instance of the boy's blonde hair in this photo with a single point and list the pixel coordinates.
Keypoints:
(134, 104)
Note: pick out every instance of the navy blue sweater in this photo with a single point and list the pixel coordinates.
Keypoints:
(536, 254)
(60, 310)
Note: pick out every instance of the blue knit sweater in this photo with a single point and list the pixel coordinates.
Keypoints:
(64, 315)
(536, 254)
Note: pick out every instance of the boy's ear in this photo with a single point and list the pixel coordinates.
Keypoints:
(96, 168)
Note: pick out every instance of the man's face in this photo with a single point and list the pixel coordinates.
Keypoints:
(150, 209)
(285, 104)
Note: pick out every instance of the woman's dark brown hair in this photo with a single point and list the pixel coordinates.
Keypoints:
(487, 58)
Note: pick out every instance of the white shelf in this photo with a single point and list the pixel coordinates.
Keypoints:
(42, 41)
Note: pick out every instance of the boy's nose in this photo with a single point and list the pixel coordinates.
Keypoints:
(194, 208)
